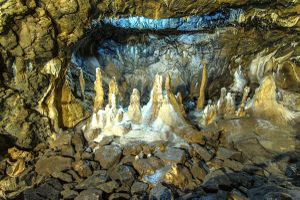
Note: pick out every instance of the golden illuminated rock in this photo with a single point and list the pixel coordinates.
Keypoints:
(16, 168)
(16, 154)
(99, 97)
(178, 107)
(265, 105)
(71, 111)
(134, 109)
(201, 98)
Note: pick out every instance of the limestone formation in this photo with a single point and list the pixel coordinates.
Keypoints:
(113, 92)
(265, 104)
(72, 111)
(178, 107)
(99, 96)
(82, 84)
(210, 114)
(134, 109)
(201, 98)
(241, 111)
(156, 97)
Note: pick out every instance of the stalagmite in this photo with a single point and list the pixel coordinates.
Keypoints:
(180, 103)
(239, 81)
(156, 96)
(265, 105)
(134, 109)
(241, 112)
(99, 97)
(230, 106)
(82, 84)
(201, 99)
(210, 114)
(177, 107)
(113, 92)
(221, 105)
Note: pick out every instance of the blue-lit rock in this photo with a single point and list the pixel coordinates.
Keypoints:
(191, 23)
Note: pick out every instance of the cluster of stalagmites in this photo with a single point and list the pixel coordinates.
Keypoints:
(165, 111)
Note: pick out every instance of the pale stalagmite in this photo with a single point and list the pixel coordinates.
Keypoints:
(99, 97)
(134, 109)
(113, 91)
(156, 96)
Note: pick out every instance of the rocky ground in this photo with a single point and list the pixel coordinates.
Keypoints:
(67, 167)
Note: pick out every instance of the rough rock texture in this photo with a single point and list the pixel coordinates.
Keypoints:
(34, 33)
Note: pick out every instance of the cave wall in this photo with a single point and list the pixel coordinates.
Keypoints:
(37, 39)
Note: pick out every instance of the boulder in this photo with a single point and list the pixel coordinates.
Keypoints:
(90, 194)
(172, 155)
(139, 187)
(161, 192)
(50, 190)
(52, 164)
(108, 155)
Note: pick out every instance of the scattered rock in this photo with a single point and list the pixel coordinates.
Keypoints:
(50, 190)
(83, 168)
(93, 181)
(108, 187)
(202, 152)
(172, 155)
(119, 196)
(62, 176)
(197, 171)
(148, 165)
(224, 154)
(139, 187)
(124, 174)
(69, 194)
(161, 192)
(108, 155)
(90, 194)
(50, 165)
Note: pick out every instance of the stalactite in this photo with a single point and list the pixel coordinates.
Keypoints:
(201, 99)
(82, 84)
(99, 97)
